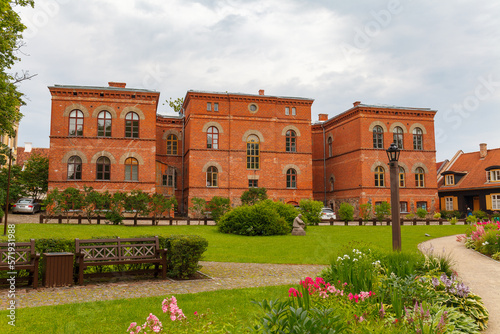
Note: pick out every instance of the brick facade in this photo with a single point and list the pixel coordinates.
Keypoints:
(353, 160)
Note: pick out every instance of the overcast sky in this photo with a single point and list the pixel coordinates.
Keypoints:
(442, 55)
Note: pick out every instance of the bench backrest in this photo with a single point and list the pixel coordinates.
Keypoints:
(117, 249)
(22, 252)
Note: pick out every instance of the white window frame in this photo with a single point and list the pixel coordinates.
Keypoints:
(448, 203)
(287, 111)
(494, 175)
(450, 180)
(294, 111)
(209, 106)
(216, 106)
(495, 202)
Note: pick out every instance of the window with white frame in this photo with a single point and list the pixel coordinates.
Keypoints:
(494, 175)
(448, 203)
(209, 106)
(216, 106)
(294, 111)
(287, 110)
(495, 202)
(449, 180)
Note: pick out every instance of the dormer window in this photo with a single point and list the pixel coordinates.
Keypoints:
(449, 180)
(493, 174)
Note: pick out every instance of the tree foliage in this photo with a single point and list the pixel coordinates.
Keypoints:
(218, 206)
(346, 212)
(311, 211)
(199, 207)
(382, 210)
(176, 104)
(11, 29)
(253, 195)
(35, 175)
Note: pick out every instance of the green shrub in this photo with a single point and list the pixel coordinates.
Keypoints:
(479, 214)
(437, 215)
(365, 211)
(311, 211)
(183, 254)
(469, 219)
(261, 218)
(253, 195)
(421, 213)
(346, 212)
(410, 216)
(287, 212)
(382, 210)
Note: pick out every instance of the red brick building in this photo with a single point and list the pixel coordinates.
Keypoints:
(103, 137)
(350, 163)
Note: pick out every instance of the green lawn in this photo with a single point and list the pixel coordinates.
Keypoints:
(115, 316)
(315, 248)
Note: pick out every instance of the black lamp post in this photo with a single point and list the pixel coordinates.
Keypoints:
(393, 155)
(7, 197)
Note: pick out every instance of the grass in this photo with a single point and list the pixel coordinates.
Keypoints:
(115, 316)
(315, 248)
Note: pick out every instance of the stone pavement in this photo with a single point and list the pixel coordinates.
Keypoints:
(479, 272)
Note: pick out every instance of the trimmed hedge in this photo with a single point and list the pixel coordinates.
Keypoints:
(261, 218)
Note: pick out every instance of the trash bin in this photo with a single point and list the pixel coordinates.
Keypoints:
(57, 269)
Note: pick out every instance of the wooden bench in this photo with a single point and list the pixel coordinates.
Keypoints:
(25, 257)
(102, 252)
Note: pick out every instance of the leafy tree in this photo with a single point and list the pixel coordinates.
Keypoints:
(199, 207)
(35, 176)
(11, 29)
(218, 206)
(253, 195)
(72, 201)
(159, 204)
(137, 202)
(115, 213)
(346, 212)
(94, 202)
(365, 211)
(53, 202)
(176, 104)
(16, 189)
(311, 211)
(382, 210)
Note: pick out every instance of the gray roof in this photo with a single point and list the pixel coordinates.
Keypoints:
(104, 88)
(245, 94)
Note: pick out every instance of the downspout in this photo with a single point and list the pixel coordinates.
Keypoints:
(229, 149)
(324, 164)
(183, 154)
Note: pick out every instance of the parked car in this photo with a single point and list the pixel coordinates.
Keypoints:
(327, 213)
(26, 205)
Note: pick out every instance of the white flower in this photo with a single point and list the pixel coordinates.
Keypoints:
(486, 243)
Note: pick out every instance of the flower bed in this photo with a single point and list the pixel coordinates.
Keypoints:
(483, 237)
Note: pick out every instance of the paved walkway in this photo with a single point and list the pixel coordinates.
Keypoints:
(479, 272)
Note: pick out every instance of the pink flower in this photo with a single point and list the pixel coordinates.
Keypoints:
(132, 325)
(323, 294)
(350, 296)
(195, 313)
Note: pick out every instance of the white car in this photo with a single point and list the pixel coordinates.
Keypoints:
(327, 213)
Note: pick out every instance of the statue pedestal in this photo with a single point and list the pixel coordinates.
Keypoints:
(298, 231)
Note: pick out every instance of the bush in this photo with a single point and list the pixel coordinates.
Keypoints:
(365, 211)
(454, 220)
(421, 213)
(437, 215)
(346, 212)
(311, 211)
(253, 195)
(382, 210)
(469, 219)
(183, 254)
(479, 214)
(259, 219)
(287, 212)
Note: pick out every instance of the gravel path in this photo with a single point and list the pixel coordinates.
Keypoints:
(479, 272)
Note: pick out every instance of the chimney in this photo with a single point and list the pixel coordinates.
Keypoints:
(117, 84)
(483, 151)
(323, 117)
(356, 103)
(261, 92)
(27, 147)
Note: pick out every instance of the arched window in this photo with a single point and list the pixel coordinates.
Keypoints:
(132, 125)
(379, 177)
(131, 169)
(291, 178)
(172, 144)
(75, 168)
(213, 137)
(398, 137)
(332, 183)
(401, 176)
(417, 139)
(103, 168)
(253, 152)
(378, 137)
(419, 177)
(330, 147)
(104, 124)
(212, 177)
(76, 123)
(291, 141)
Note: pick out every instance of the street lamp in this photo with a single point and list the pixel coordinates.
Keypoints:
(393, 155)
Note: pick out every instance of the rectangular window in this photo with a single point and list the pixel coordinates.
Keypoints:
(209, 106)
(403, 207)
(287, 111)
(422, 205)
(253, 183)
(450, 180)
(448, 203)
(164, 180)
(216, 106)
(495, 175)
(495, 202)
(294, 111)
